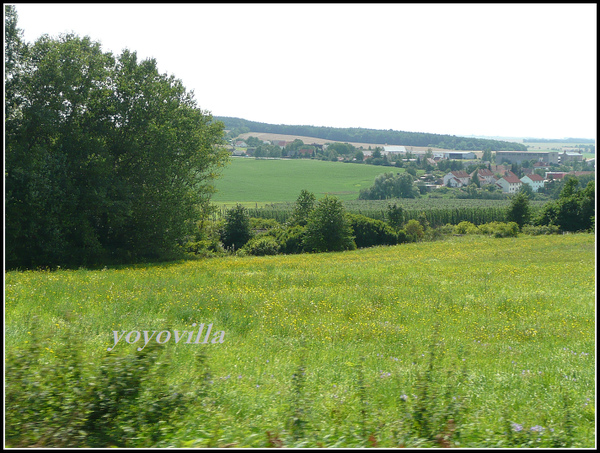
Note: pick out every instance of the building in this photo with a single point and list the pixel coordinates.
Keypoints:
(516, 157)
(510, 183)
(570, 157)
(535, 181)
(394, 150)
(459, 155)
(485, 176)
(457, 179)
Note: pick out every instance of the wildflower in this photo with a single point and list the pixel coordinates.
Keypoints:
(537, 428)
(516, 427)
(404, 397)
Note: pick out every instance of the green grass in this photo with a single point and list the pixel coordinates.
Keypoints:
(512, 321)
(250, 181)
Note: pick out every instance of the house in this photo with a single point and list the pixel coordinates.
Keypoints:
(555, 175)
(485, 176)
(509, 183)
(457, 179)
(534, 180)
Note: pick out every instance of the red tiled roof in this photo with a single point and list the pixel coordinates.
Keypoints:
(535, 177)
(460, 174)
(512, 179)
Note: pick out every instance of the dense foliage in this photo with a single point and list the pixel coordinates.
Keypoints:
(375, 136)
(106, 159)
(575, 210)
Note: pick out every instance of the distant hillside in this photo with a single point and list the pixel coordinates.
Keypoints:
(375, 136)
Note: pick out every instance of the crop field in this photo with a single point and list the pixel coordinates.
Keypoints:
(438, 211)
(468, 342)
(258, 181)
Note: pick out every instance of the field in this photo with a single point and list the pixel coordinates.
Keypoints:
(259, 181)
(470, 342)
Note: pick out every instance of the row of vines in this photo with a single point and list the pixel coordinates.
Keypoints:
(437, 212)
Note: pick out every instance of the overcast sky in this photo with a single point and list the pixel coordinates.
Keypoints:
(509, 70)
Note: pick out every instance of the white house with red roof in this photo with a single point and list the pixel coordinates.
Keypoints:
(485, 176)
(509, 183)
(535, 181)
(457, 179)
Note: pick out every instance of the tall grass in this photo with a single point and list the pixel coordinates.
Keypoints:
(472, 341)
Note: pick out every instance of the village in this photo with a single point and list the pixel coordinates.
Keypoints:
(536, 167)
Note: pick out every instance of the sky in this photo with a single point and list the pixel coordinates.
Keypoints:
(496, 70)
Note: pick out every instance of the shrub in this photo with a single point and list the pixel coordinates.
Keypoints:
(63, 403)
(370, 232)
(257, 223)
(414, 230)
(465, 227)
(262, 245)
(500, 229)
(402, 237)
(291, 239)
(539, 230)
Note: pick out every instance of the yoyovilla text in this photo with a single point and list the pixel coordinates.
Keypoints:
(165, 335)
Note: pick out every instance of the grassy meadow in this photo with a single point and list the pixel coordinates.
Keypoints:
(471, 341)
(258, 181)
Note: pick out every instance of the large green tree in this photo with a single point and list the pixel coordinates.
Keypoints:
(519, 210)
(575, 210)
(107, 160)
(328, 228)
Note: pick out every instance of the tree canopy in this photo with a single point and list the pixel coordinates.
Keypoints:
(361, 135)
(106, 159)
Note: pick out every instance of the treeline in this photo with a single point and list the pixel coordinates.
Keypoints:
(375, 136)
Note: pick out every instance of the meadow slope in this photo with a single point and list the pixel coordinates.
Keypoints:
(507, 326)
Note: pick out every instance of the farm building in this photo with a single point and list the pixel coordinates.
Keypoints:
(535, 181)
(456, 155)
(516, 157)
(394, 150)
(570, 157)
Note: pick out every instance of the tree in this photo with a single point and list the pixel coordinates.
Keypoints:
(236, 231)
(574, 210)
(519, 210)
(328, 228)
(305, 203)
(395, 216)
(109, 161)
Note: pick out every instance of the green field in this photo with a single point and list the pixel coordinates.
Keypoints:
(488, 342)
(250, 181)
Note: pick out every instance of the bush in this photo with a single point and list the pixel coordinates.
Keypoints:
(263, 224)
(500, 229)
(261, 246)
(63, 403)
(465, 227)
(539, 230)
(414, 230)
(291, 239)
(370, 232)
(402, 237)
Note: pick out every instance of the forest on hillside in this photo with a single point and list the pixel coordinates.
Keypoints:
(375, 136)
